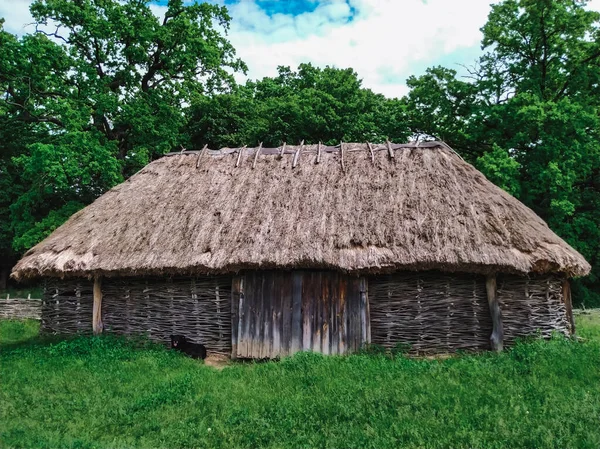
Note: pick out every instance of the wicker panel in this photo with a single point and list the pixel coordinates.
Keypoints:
(430, 312)
(67, 306)
(19, 309)
(531, 306)
(199, 308)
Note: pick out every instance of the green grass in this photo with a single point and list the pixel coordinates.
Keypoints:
(112, 392)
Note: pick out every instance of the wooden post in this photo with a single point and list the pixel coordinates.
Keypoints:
(256, 154)
(497, 337)
(201, 155)
(97, 325)
(318, 153)
(389, 147)
(372, 153)
(239, 158)
(566, 290)
(297, 154)
(342, 155)
(282, 151)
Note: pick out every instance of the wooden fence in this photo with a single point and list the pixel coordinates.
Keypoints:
(20, 309)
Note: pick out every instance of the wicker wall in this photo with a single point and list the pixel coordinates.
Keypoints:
(435, 312)
(531, 306)
(430, 312)
(199, 308)
(67, 306)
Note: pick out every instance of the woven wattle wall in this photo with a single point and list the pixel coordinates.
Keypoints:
(199, 308)
(532, 306)
(67, 306)
(430, 312)
(435, 312)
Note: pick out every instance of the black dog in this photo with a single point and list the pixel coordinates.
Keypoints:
(194, 350)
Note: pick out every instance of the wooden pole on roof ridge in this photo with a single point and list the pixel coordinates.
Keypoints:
(97, 326)
(389, 147)
(256, 155)
(239, 158)
(497, 337)
(201, 155)
(297, 155)
(318, 152)
(372, 152)
(342, 154)
(282, 150)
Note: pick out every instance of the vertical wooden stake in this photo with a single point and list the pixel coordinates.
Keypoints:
(342, 155)
(319, 153)
(372, 153)
(497, 337)
(282, 151)
(389, 147)
(566, 290)
(256, 154)
(201, 155)
(297, 155)
(97, 325)
(239, 158)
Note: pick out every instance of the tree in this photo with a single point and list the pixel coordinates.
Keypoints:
(311, 104)
(530, 116)
(101, 85)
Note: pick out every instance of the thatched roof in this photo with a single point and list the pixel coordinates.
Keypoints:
(394, 208)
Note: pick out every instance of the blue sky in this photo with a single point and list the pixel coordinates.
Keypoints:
(385, 41)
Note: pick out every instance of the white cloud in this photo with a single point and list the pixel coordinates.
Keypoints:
(382, 42)
(18, 18)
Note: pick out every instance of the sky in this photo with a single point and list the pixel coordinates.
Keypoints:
(384, 41)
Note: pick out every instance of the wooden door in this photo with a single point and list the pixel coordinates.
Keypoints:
(278, 313)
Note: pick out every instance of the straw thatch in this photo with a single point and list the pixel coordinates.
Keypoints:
(396, 207)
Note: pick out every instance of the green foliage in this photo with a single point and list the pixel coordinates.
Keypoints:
(502, 169)
(312, 104)
(111, 392)
(99, 92)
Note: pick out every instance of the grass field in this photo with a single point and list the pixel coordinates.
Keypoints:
(111, 392)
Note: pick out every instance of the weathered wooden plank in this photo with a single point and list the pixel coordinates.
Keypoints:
(364, 312)
(97, 325)
(307, 313)
(286, 315)
(318, 321)
(341, 292)
(332, 313)
(497, 337)
(269, 317)
(325, 313)
(276, 310)
(246, 300)
(236, 291)
(258, 312)
(297, 337)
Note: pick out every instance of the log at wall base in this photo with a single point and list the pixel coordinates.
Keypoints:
(97, 326)
(497, 337)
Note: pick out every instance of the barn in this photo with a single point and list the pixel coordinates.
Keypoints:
(263, 252)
